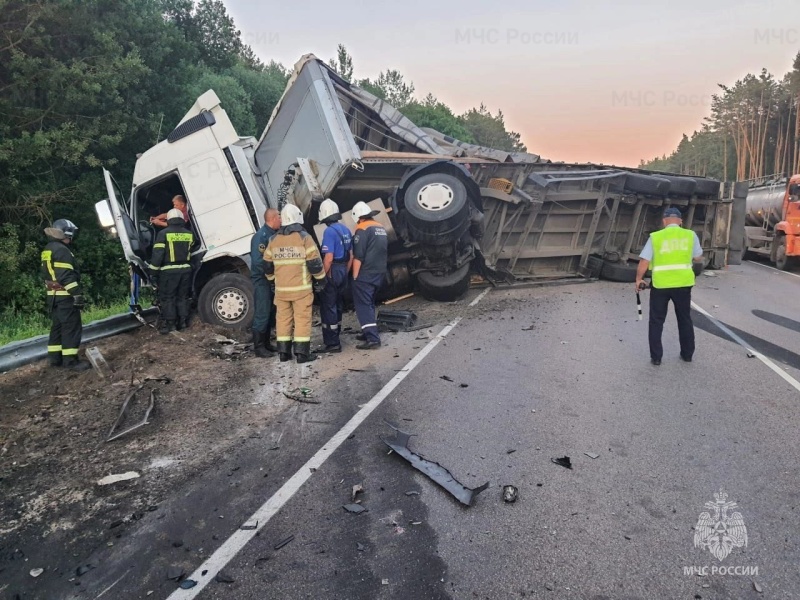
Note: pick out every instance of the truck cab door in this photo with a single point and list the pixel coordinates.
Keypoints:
(126, 230)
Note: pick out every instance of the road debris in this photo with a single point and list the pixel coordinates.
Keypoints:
(463, 385)
(564, 461)
(36, 572)
(108, 480)
(282, 543)
(356, 489)
(592, 455)
(98, 362)
(433, 470)
(360, 547)
(175, 573)
(356, 509)
(249, 525)
(446, 378)
(511, 451)
(403, 297)
(123, 414)
(301, 394)
(187, 584)
(384, 582)
(396, 320)
(757, 587)
(412, 493)
(510, 493)
(83, 569)
(528, 328)
(222, 577)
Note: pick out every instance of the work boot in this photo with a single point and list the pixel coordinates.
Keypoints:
(166, 327)
(55, 361)
(267, 343)
(368, 345)
(181, 324)
(303, 352)
(73, 364)
(259, 345)
(329, 349)
(361, 337)
(285, 350)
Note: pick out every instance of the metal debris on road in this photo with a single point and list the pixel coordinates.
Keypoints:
(592, 455)
(564, 461)
(223, 578)
(510, 493)
(528, 328)
(433, 470)
(301, 394)
(249, 525)
(412, 493)
(282, 543)
(187, 584)
(446, 378)
(360, 547)
(396, 320)
(123, 414)
(83, 569)
(356, 509)
(98, 362)
(118, 477)
(175, 573)
(36, 572)
(356, 489)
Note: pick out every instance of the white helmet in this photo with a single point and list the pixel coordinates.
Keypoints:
(327, 209)
(174, 213)
(291, 215)
(361, 210)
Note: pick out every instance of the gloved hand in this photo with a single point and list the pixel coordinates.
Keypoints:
(319, 284)
(79, 301)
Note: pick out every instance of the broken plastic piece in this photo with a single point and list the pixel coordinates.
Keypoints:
(356, 489)
(354, 508)
(123, 413)
(446, 378)
(187, 584)
(302, 394)
(36, 572)
(360, 546)
(432, 469)
(282, 543)
(98, 362)
(223, 578)
(564, 461)
(396, 320)
(510, 493)
(175, 573)
(592, 454)
(119, 477)
(83, 569)
(412, 493)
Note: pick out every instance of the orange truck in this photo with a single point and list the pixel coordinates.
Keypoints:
(772, 220)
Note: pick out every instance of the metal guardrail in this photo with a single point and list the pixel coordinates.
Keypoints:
(20, 353)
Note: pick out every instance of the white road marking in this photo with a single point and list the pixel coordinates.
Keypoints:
(784, 375)
(231, 547)
(752, 262)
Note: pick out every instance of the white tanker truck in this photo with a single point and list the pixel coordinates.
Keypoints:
(772, 220)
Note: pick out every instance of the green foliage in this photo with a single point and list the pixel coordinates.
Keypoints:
(237, 102)
(490, 130)
(343, 63)
(437, 115)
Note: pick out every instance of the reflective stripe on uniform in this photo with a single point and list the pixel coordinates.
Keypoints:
(173, 267)
(369, 325)
(302, 339)
(69, 351)
(296, 288)
(60, 265)
(671, 267)
(159, 245)
(289, 261)
(283, 338)
(54, 348)
(46, 258)
(57, 293)
(69, 286)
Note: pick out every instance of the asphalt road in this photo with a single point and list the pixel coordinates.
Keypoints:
(536, 374)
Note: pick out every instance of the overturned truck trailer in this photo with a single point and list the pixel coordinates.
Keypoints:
(452, 210)
(458, 208)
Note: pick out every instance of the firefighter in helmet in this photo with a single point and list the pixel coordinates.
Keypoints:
(64, 296)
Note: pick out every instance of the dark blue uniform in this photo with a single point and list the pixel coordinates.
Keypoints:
(262, 295)
(336, 241)
(371, 247)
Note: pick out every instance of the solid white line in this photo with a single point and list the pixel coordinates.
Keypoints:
(223, 555)
(752, 262)
(788, 378)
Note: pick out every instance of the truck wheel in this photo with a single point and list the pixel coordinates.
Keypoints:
(619, 271)
(227, 300)
(650, 185)
(436, 209)
(706, 187)
(443, 288)
(783, 262)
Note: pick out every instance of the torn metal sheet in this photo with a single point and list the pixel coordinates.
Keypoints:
(397, 320)
(123, 414)
(433, 470)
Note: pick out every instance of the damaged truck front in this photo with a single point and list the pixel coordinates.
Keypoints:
(451, 209)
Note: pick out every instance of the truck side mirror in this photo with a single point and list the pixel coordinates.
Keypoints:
(794, 190)
(105, 217)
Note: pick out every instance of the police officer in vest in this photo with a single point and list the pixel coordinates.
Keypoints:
(669, 254)
(171, 271)
(293, 265)
(262, 292)
(64, 296)
(370, 250)
(337, 258)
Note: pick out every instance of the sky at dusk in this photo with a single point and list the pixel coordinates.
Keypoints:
(610, 82)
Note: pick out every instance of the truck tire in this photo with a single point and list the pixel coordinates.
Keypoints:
(443, 288)
(619, 271)
(680, 186)
(436, 209)
(227, 300)
(706, 187)
(783, 262)
(650, 185)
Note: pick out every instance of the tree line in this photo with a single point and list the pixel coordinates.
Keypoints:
(753, 130)
(86, 84)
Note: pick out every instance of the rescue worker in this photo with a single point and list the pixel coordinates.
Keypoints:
(370, 250)
(262, 293)
(291, 260)
(64, 297)
(178, 202)
(337, 258)
(171, 271)
(669, 254)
